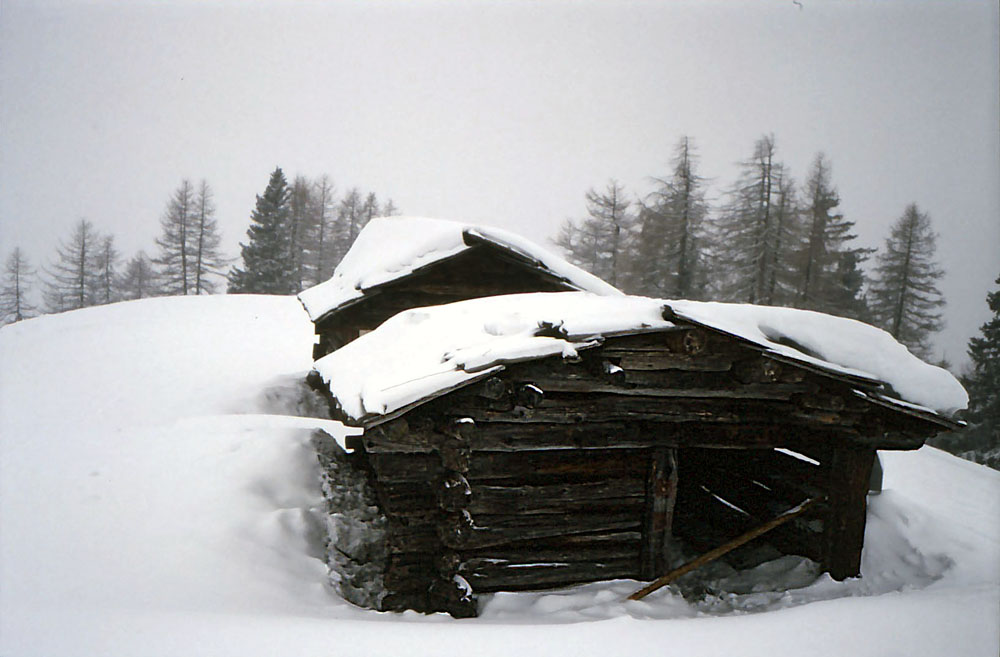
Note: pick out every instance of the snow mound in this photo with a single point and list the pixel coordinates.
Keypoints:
(389, 248)
(156, 499)
(424, 352)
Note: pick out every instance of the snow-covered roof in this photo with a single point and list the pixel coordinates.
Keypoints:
(423, 353)
(390, 248)
(836, 344)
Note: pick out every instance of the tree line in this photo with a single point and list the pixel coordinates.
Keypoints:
(770, 240)
(298, 234)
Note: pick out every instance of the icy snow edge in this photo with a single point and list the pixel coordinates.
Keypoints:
(389, 248)
(850, 346)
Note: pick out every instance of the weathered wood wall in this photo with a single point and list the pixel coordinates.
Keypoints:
(555, 472)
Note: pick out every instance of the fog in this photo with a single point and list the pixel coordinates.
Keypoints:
(499, 112)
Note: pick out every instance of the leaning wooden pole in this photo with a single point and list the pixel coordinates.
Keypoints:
(663, 580)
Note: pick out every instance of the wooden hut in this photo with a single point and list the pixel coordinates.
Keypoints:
(398, 263)
(541, 440)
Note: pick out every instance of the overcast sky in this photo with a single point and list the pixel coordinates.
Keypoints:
(499, 112)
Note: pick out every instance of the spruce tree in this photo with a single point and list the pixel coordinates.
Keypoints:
(70, 283)
(828, 271)
(16, 290)
(845, 295)
(905, 300)
(266, 268)
(667, 258)
(983, 384)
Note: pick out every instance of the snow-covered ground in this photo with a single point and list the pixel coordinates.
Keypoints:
(155, 499)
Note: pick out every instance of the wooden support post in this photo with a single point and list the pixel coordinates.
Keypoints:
(661, 496)
(844, 528)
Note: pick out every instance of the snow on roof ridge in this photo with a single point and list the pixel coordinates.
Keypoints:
(402, 244)
(423, 352)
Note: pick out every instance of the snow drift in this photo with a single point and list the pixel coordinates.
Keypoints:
(157, 499)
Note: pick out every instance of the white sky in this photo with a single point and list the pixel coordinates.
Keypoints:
(499, 112)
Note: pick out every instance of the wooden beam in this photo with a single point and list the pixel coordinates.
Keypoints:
(844, 528)
(661, 496)
(712, 555)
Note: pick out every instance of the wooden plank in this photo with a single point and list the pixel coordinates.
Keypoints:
(568, 408)
(712, 555)
(517, 436)
(844, 532)
(552, 466)
(557, 498)
(730, 391)
(670, 361)
(585, 547)
(455, 533)
(661, 496)
(536, 466)
(488, 575)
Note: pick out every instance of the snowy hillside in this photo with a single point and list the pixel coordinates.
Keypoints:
(157, 499)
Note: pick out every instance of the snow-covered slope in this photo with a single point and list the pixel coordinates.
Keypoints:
(154, 500)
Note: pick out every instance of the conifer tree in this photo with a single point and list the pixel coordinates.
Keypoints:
(904, 297)
(15, 304)
(106, 259)
(299, 220)
(189, 242)
(845, 296)
(350, 217)
(70, 283)
(667, 258)
(828, 271)
(370, 210)
(324, 230)
(176, 257)
(266, 268)
(983, 384)
(599, 243)
(139, 279)
(757, 232)
(207, 260)
(389, 209)
(787, 234)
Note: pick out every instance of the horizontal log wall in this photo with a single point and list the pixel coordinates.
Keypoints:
(542, 475)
